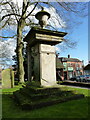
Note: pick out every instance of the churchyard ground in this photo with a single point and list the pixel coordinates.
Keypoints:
(70, 109)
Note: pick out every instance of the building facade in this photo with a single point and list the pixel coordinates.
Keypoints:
(72, 67)
(87, 69)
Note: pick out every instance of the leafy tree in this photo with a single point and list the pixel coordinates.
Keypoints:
(17, 18)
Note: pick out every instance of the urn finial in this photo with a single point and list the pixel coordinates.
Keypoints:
(42, 16)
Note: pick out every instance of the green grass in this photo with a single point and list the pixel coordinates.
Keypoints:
(11, 90)
(71, 109)
(77, 90)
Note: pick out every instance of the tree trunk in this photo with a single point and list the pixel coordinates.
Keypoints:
(20, 26)
(19, 52)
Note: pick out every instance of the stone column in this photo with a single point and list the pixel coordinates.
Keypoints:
(29, 66)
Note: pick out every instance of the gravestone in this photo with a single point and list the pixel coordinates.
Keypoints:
(41, 55)
(7, 78)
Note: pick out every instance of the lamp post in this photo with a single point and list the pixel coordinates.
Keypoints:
(42, 16)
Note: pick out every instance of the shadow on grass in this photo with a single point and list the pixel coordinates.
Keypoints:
(70, 109)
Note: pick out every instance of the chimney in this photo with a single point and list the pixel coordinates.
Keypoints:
(68, 56)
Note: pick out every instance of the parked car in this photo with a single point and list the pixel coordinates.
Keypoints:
(87, 78)
(81, 78)
(73, 79)
(84, 78)
(78, 79)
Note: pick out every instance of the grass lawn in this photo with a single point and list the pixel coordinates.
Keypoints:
(71, 109)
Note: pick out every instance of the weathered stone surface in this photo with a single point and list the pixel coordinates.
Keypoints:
(47, 65)
(41, 55)
(44, 67)
(7, 78)
(44, 36)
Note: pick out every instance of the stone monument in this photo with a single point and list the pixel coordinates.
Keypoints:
(41, 52)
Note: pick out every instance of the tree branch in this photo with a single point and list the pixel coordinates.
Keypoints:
(8, 37)
(10, 15)
(70, 8)
(25, 8)
(4, 3)
(5, 23)
(32, 10)
(14, 11)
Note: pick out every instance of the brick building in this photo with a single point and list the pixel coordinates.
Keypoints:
(87, 69)
(72, 67)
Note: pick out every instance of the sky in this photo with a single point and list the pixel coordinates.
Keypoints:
(80, 35)
(88, 31)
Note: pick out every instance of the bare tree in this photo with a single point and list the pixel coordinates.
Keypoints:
(6, 52)
(15, 18)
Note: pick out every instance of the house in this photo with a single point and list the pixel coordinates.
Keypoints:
(87, 69)
(72, 67)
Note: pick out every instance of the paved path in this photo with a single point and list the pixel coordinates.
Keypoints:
(76, 84)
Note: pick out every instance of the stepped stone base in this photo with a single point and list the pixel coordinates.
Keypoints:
(30, 97)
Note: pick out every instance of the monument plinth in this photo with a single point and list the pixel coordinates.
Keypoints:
(41, 55)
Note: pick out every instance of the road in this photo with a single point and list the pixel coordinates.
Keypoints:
(76, 84)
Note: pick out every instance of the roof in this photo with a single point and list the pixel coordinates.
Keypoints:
(87, 67)
(58, 63)
(64, 59)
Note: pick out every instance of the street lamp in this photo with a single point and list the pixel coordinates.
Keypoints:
(42, 16)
